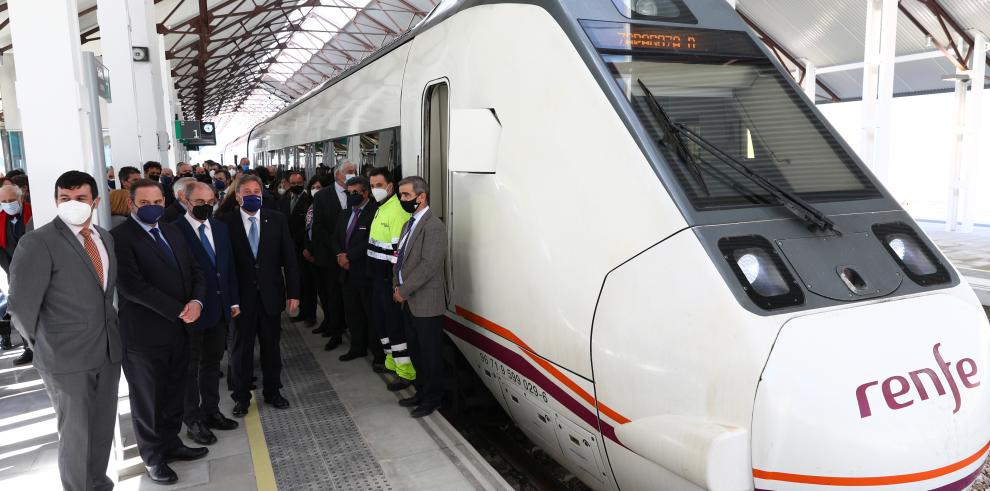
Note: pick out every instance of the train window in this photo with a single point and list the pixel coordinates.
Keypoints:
(742, 107)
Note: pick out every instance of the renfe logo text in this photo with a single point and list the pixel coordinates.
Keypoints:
(897, 391)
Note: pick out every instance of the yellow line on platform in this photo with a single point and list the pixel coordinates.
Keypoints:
(264, 475)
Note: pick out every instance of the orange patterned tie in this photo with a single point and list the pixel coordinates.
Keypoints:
(94, 253)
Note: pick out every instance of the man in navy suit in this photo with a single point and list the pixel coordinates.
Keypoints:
(268, 283)
(161, 290)
(210, 243)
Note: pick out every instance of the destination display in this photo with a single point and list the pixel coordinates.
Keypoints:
(639, 37)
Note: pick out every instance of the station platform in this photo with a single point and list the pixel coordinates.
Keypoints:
(969, 252)
(344, 431)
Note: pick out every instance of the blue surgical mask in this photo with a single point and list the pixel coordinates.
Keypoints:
(150, 214)
(252, 203)
(219, 185)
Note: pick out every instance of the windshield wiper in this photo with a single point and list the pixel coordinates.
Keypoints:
(800, 208)
(676, 143)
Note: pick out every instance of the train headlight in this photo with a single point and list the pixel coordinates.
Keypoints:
(914, 257)
(761, 272)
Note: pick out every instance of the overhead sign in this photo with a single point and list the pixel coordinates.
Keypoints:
(652, 38)
(196, 133)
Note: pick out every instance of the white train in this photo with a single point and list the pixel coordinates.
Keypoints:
(665, 264)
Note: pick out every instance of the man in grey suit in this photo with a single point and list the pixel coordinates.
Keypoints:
(62, 283)
(419, 284)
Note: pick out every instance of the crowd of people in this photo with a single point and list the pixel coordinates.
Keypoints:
(204, 262)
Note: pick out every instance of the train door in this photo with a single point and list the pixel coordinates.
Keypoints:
(435, 136)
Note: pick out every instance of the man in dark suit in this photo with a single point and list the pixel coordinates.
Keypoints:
(209, 240)
(351, 249)
(294, 206)
(15, 221)
(263, 249)
(62, 284)
(162, 289)
(175, 210)
(420, 286)
(327, 207)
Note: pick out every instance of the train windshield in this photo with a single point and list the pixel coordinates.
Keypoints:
(720, 87)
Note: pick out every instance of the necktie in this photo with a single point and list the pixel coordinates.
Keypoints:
(253, 235)
(350, 226)
(403, 242)
(309, 222)
(292, 202)
(206, 243)
(93, 253)
(162, 244)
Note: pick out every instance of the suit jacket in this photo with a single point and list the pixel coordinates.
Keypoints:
(357, 248)
(7, 253)
(326, 211)
(297, 218)
(153, 292)
(221, 277)
(58, 303)
(274, 273)
(424, 254)
(173, 212)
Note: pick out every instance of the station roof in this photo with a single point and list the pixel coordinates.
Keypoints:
(256, 56)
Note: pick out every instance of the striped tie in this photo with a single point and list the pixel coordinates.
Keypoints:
(94, 253)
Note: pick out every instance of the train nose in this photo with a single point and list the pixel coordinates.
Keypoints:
(893, 395)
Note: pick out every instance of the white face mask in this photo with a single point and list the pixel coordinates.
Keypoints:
(348, 177)
(379, 193)
(281, 191)
(74, 212)
(314, 191)
(13, 208)
(211, 173)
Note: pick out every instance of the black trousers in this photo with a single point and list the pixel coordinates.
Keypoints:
(425, 338)
(203, 375)
(156, 377)
(332, 299)
(309, 288)
(388, 317)
(357, 313)
(268, 330)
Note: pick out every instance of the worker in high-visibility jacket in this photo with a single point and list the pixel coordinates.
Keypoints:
(383, 244)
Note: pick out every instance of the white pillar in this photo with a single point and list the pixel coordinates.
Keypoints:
(148, 82)
(956, 168)
(354, 151)
(878, 84)
(57, 131)
(971, 173)
(8, 76)
(810, 84)
(115, 40)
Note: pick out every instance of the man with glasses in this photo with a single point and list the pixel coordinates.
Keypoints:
(209, 240)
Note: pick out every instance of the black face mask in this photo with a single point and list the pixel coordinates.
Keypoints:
(202, 212)
(296, 189)
(410, 206)
(186, 174)
(354, 199)
(154, 177)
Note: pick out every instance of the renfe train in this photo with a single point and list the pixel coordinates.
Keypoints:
(665, 264)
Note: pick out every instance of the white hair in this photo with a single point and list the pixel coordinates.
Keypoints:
(340, 168)
(180, 185)
(18, 192)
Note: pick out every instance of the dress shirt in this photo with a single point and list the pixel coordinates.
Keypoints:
(245, 219)
(95, 235)
(194, 223)
(341, 195)
(419, 214)
(147, 228)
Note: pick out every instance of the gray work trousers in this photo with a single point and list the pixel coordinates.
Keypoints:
(86, 411)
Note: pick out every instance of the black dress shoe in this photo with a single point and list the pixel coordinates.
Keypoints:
(421, 411)
(201, 434)
(310, 322)
(333, 343)
(410, 401)
(398, 385)
(220, 422)
(350, 356)
(327, 334)
(26, 357)
(240, 409)
(277, 401)
(186, 453)
(162, 474)
(321, 328)
(378, 367)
